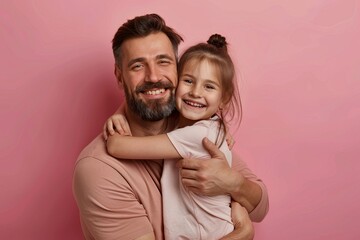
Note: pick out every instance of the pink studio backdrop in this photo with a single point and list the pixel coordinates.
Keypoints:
(300, 84)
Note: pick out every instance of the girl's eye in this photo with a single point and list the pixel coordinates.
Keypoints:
(189, 81)
(209, 87)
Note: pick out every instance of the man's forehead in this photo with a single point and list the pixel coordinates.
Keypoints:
(151, 46)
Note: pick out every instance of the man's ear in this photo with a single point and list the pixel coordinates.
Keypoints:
(118, 75)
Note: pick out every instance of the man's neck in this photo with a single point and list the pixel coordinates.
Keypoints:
(140, 127)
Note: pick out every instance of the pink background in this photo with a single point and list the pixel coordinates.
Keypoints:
(300, 85)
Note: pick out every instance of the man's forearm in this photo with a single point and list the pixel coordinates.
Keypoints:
(246, 192)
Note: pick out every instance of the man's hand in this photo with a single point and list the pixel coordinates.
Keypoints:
(244, 229)
(209, 177)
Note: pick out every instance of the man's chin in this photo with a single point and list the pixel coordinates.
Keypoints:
(153, 110)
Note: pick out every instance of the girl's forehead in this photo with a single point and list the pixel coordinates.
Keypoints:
(196, 62)
(202, 69)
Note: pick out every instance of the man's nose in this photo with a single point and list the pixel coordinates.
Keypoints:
(153, 73)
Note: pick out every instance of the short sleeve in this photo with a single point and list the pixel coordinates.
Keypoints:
(188, 140)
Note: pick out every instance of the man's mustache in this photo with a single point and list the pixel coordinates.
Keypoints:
(148, 86)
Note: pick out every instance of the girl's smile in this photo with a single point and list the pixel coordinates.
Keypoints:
(199, 94)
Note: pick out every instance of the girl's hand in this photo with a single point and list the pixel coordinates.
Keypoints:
(116, 123)
(230, 140)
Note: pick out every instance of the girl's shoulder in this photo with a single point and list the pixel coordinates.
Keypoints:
(213, 121)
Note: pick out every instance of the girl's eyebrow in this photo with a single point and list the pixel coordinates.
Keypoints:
(187, 75)
(212, 82)
(206, 80)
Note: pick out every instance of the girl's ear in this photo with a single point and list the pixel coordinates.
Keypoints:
(118, 76)
(223, 104)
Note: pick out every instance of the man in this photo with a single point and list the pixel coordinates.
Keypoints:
(120, 199)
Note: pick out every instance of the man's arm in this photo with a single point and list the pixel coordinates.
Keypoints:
(105, 202)
(252, 183)
(214, 177)
(243, 227)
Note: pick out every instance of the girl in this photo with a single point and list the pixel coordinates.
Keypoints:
(206, 93)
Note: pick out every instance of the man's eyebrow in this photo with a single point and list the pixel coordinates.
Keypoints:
(166, 56)
(158, 57)
(132, 61)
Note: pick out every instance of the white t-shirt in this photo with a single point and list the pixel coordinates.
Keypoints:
(187, 215)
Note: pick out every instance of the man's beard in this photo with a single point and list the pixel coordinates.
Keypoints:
(152, 110)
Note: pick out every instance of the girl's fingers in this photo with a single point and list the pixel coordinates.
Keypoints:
(126, 126)
(118, 126)
(105, 132)
(110, 127)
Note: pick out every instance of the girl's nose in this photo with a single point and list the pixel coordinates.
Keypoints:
(195, 91)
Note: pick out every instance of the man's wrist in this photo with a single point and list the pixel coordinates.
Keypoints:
(237, 181)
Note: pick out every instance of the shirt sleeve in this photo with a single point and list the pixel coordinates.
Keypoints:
(260, 211)
(188, 140)
(107, 208)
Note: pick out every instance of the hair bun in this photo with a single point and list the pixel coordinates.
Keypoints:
(218, 41)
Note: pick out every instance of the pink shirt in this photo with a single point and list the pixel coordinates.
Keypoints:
(121, 199)
(117, 199)
(202, 217)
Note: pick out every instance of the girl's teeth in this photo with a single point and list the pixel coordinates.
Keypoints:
(194, 104)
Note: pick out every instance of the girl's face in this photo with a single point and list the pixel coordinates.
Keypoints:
(199, 92)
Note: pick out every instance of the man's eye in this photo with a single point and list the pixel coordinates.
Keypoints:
(136, 66)
(164, 62)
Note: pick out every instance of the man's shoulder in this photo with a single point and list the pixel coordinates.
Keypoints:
(95, 155)
(96, 149)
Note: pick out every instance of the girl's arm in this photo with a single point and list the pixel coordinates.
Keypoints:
(117, 123)
(149, 147)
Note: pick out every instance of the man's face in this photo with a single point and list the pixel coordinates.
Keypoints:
(149, 76)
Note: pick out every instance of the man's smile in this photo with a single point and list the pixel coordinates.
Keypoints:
(154, 92)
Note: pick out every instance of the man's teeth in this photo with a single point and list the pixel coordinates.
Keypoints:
(154, 92)
(194, 104)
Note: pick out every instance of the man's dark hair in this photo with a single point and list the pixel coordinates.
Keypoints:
(142, 26)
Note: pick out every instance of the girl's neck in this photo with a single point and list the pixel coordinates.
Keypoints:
(184, 122)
